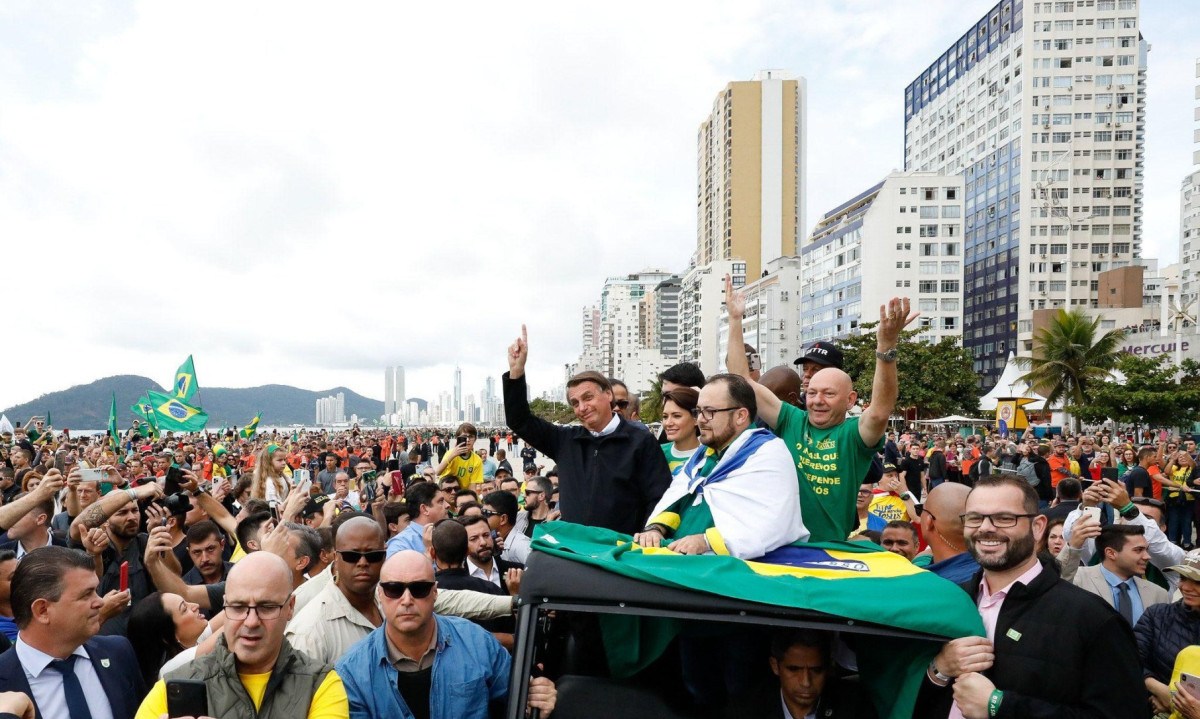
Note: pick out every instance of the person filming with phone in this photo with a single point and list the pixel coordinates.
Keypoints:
(460, 461)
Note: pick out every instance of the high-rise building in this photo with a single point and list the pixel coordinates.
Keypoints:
(389, 392)
(399, 396)
(621, 323)
(331, 410)
(750, 171)
(1041, 106)
(659, 318)
(902, 237)
(458, 405)
(701, 292)
(1189, 219)
(591, 327)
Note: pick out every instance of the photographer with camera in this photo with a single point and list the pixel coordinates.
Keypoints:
(460, 461)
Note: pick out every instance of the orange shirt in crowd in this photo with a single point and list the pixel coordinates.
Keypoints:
(1060, 468)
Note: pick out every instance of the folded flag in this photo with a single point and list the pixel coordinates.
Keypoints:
(854, 580)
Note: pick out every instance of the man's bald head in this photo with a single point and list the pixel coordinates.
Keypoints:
(359, 527)
(258, 569)
(829, 396)
(946, 502)
(406, 566)
(784, 383)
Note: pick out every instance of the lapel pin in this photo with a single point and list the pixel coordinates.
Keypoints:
(104, 663)
(1013, 634)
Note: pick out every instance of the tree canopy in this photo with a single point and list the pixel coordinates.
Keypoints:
(1069, 356)
(1149, 393)
(936, 379)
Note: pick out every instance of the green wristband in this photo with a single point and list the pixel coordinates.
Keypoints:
(1126, 508)
(994, 702)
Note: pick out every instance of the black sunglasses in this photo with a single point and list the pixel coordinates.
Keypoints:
(395, 590)
(373, 557)
(622, 403)
(489, 513)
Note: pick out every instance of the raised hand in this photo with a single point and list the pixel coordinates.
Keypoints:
(893, 317)
(518, 352)
(735, 300)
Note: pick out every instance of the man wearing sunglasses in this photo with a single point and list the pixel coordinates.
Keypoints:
(253, 662)
(344, 611)
(424, 664)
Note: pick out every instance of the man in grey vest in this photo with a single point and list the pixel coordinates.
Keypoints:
(267, 678)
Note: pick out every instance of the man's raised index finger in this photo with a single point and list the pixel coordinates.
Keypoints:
(524, 334)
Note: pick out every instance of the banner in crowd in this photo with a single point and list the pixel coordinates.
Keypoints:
(854, 580)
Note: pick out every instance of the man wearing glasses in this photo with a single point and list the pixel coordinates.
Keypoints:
(253, 662)
(423, 664)
(345, 611)
(736, 495)
(1051, 649)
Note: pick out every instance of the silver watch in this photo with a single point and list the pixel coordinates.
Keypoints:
(889, 356)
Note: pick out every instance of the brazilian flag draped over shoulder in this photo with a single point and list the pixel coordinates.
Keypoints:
(848, 579)
(185, 387)
(174, 415)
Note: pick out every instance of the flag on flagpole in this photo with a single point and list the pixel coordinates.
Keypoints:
(250, 429)
(186, 385)
(172, 414)
(114, 440)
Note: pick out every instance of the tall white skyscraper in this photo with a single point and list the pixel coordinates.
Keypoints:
(1189, 218)
(1041, 107)
(400, 397)
(389, 391)
(458, 405)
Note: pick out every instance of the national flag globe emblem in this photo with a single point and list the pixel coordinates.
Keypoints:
(177, 410)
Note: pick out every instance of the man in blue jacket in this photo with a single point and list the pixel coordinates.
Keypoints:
(419, 665)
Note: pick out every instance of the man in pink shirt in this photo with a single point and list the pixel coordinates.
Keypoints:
(1051, 648)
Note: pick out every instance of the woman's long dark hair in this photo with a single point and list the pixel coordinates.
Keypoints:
(152, 634)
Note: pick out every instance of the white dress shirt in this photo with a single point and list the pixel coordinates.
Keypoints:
(47, 684)
(493, 576)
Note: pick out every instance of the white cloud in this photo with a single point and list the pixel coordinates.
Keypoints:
(303, 194)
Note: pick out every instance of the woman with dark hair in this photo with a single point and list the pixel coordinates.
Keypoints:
(679, 426)
(164, 630)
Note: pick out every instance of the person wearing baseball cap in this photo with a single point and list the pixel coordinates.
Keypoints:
(1165, 630)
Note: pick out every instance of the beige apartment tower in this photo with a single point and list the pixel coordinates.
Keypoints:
(750, 173)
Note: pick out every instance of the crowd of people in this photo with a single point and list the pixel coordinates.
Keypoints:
(376, 573)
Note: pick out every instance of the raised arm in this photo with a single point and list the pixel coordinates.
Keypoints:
(735, 306)
(108, 505)
(893, 317)
(534, 430)
(12, 512)
(158, 546)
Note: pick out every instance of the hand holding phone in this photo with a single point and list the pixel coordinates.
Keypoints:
(1093, 512)
(125, 579)
(186, 698)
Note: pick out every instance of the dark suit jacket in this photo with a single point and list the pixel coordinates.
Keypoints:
(57, 539)
(839, 699)
(121, 679)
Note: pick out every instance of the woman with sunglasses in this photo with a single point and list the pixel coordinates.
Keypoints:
(679, 426)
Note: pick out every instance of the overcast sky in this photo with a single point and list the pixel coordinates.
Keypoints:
(303, 193)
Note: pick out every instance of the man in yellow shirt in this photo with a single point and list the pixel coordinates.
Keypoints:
(460, 461)
(258, 604)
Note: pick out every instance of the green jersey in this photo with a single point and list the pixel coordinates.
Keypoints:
(830, 466)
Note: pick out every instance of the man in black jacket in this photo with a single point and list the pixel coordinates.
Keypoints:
(1052, 649)
(611, 473)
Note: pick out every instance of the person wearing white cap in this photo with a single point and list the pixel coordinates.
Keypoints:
(1165, 629)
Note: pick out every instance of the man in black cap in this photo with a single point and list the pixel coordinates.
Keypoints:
(817, 357)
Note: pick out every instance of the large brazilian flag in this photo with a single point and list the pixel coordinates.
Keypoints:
(854, 580)
(185, 381)
(174, 415)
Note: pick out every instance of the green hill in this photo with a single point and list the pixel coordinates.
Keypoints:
(86, 406)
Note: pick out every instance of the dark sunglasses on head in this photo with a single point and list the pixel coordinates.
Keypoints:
(395, 590)
(373, 557)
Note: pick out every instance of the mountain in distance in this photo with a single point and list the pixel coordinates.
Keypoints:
(86, 406)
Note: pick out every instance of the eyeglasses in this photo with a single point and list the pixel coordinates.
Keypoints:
(709, 412)
(621, 403)
(489, 513)
(373, 557)
(533, 491)
(1000, 520)
(395, 590)
(238, 612)
(864, 492)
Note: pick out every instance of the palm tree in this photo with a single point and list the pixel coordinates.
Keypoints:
(1068, 355)
(650, 408)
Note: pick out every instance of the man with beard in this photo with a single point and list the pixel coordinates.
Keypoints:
(1029, 615)
(482, 561)
(344, 611)
(537, 505)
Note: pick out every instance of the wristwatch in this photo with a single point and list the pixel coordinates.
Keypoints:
(889, 356)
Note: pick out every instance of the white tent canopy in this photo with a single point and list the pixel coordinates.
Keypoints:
(956, 419)
(1010, 385)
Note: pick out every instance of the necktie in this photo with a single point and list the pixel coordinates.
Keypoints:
(77, 705)
(1124, 606)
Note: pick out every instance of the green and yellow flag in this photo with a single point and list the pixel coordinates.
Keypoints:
(185, 381)
(250, 429)
(854, 580)
(172, 414)
(145, 410)
(114, 440)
